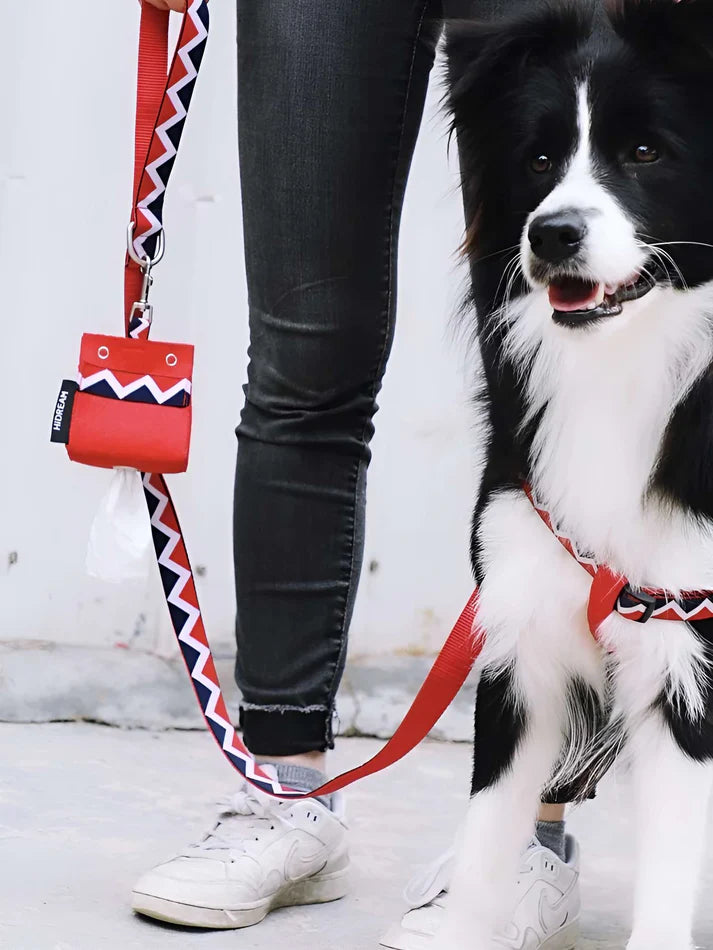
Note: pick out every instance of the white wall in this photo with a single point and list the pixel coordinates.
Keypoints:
(65, 166)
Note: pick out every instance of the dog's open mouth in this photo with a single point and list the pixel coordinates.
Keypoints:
(576, 301)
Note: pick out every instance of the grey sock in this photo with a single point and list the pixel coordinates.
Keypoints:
(302, 779)
(551, 835)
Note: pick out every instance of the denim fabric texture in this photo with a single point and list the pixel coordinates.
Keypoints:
(330, 100)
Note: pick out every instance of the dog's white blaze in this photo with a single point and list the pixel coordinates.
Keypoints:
(581, 164)
(611, 248)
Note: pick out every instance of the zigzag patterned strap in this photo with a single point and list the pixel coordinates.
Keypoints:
(440, 688)
(152, 170)
(161, 108)
(639, 604)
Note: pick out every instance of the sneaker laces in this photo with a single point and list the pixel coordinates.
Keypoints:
(243, 817)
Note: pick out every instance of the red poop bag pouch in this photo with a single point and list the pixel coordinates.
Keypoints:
(130, 406)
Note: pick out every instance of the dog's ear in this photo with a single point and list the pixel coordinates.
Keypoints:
(465, 42)
(483, 57)
(678, 33)
(485, 62)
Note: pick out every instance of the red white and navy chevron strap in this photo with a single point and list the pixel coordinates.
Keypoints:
(638, 604)
(464, 644)
(440, 688)
(161, 110)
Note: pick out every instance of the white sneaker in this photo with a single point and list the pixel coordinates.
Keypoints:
(546, 916)
(261, 854)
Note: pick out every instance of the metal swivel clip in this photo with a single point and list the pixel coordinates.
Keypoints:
(146, 264)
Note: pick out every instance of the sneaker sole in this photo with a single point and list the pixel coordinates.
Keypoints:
(565, 939)
(399, 939)
(320, 889)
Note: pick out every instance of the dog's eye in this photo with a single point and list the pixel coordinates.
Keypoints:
(541, 165)
(646, 154)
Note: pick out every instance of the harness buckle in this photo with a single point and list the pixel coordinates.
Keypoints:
(647, 601)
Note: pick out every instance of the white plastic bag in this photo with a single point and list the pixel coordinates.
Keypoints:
(120, 537)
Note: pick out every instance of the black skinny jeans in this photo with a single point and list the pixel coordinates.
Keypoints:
(331, 95)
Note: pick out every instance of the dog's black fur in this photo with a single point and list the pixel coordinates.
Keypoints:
(651, 68)
(513, 96)
(653, 73)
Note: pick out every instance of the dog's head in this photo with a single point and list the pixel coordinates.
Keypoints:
(586, 142)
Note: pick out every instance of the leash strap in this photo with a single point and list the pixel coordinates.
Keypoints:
(162, 106)
(613, 593)
(442, 684)
(162, 103)
(446, 677)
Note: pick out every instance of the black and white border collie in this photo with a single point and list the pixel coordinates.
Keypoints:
(586, 143)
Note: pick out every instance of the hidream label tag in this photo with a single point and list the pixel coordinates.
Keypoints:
(63, 411)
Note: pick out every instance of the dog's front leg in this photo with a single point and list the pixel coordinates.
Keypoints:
(672, 792)
(515, 750)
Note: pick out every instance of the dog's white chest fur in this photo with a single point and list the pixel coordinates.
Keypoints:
(606, 397)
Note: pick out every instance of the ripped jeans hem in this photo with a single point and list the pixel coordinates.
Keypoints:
(282, 730)
(283, 709)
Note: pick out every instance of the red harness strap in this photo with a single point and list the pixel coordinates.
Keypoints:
(612, 593)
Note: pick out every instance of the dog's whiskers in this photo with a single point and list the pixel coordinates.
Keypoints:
(664, 259)
(505, 250)
(671, 243)
(498, 316)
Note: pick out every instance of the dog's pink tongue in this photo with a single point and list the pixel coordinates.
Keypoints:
(571, 293)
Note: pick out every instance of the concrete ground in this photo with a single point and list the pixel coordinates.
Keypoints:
(84, 809)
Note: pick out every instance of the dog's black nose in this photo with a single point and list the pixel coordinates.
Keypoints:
(557, 237)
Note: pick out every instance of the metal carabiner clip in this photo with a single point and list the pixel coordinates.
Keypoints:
(146, 260)
(146, 264)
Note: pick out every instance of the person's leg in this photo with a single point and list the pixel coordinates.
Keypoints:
(330, 101)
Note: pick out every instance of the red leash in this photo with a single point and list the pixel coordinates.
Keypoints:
(447, 675)
(150, 92)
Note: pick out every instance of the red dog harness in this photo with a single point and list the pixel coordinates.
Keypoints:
(612, 592)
